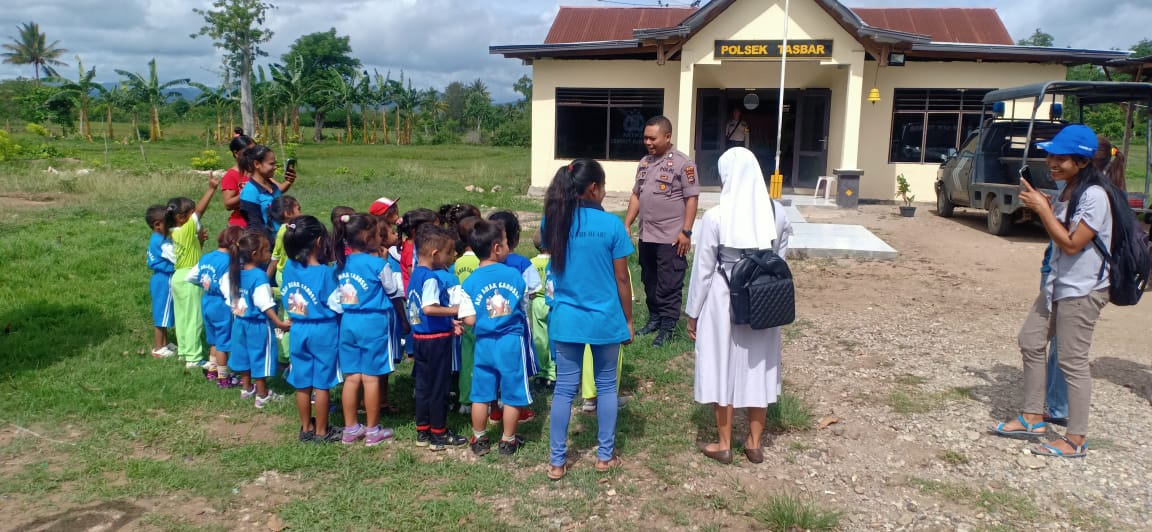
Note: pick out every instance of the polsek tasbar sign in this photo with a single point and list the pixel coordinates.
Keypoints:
(774, 49)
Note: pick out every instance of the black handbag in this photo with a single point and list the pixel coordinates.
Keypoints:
(762, 292)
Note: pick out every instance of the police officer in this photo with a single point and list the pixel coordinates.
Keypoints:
(735, 131)
(665, 197)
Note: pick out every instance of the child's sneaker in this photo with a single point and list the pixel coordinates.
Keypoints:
(589, 406)
(307, 436)
(172, 347)
(225, 383)
(248, 394)
(509, 448)
(352, 434)
(212, 375)
(163, 352)
(333, 435)
(377, 435)
(446, 439)
(481, 446)
(272, 396)
(423, 438)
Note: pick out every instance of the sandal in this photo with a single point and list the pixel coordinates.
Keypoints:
(557, 472)
(609, 465)
(1047, 450)
(1029, 432)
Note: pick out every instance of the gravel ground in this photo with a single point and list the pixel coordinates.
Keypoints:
(916, 357)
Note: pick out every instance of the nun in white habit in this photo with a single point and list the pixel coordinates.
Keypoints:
(736, 366)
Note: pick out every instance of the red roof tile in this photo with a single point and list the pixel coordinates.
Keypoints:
(962, 25)
(589, 24)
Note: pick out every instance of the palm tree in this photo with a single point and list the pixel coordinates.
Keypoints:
(432, 104)
(407, 100)
(151, 92)
(291, 89)
(116, 98)
(383, 94)
(81, 92)
(30, 48)
(343, 93)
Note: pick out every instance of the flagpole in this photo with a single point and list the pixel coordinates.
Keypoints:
(776, 187)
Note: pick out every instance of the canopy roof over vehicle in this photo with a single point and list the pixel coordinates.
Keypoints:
(1086, 92)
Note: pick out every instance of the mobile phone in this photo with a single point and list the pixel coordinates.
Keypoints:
(1026, 174)
(290, 165)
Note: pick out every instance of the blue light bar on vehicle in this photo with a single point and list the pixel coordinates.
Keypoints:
(1056, 111)
(998, 109)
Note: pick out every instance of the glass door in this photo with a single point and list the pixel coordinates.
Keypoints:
(709, 135)
(813, 107)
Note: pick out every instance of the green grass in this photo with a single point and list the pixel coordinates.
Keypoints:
(953, 457)
(1014, 504)
(784, 513)
(75, 307)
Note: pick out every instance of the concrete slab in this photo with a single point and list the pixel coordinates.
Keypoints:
(834, 241)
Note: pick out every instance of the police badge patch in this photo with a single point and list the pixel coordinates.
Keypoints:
(690, 173)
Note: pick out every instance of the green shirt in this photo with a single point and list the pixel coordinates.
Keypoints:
(465, 265)
(279, 255)
(186, 241)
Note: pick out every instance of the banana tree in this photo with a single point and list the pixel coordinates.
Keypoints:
(116, 98)
(219, 100)
(382, 95)
(151, 92)
(433, 106)
(80, 91)
(291, 89)
(407, 101)
(343, 93)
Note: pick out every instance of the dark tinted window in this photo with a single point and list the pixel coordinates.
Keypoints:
(605, 124)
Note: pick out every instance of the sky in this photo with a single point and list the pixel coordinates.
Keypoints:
(436, 42)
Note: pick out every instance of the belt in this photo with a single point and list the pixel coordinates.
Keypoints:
(433, 336)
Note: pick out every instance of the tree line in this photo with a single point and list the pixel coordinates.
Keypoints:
(318, 83)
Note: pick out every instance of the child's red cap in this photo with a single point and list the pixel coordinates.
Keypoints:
(381, 206)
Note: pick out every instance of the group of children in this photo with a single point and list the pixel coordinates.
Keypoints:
(345, 306)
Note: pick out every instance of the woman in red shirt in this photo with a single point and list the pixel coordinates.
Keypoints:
(235, 179)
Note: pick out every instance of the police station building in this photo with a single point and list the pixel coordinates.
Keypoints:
(603, 71)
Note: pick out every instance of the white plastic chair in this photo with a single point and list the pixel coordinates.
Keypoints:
(828, 181)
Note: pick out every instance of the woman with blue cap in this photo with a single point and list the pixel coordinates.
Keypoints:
(1073, 294)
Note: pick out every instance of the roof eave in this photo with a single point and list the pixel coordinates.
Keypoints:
(525, 51)
(998, 52)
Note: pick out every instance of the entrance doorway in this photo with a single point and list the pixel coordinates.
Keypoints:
(803, 140)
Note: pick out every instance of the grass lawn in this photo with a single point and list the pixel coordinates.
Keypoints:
(91, 424)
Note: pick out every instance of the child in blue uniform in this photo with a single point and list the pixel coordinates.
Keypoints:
(389, 239)
(370, 299)
(434, 333)
(208, 273)
(495, 304)
(162, 262)
(253, 341)
(311, 299)
(523, 265)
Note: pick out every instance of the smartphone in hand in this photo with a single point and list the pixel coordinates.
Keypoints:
(1026, 175)
(290, 166)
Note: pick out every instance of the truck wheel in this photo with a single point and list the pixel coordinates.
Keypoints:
(998, 224)
(944, 205)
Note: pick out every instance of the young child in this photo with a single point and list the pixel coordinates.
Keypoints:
(389, 239)
(253, 341)
(210, 273)
(385, 209)
(495, 305)
(539, 316)
(433, 331)
(162, 262)
(182, 222)
(532, 283)
(281, 210)
(370, 299)
(465, 264)
(311, 298)
(410, 223)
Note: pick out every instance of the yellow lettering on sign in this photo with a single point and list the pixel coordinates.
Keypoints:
(820, 49)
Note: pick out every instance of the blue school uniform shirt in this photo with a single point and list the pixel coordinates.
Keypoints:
(585, 303)
(426, 287)
(367, 284)
(161, 254)
(495, 294)
(310, 293)
(527, 270)
(255, 295)
(210, 271)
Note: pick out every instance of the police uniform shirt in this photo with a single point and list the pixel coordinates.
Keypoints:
(663, 184)
(736, 131)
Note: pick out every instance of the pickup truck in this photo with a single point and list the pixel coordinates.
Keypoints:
(985, 174)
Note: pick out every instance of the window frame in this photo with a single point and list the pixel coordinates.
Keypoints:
(608, 99)
(904, 106)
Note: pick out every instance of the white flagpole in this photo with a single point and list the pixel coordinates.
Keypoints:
(777, 184)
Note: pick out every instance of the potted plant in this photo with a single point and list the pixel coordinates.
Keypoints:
(907, 210)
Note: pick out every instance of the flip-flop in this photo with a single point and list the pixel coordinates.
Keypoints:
(1030, 431)
(553, 475)
(609, 464)
(1047, 450)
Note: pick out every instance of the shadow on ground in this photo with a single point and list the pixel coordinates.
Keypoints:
(40, 335)
(1121, 372)
(108, 516)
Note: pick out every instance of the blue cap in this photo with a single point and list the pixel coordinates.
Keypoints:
(1076, 139)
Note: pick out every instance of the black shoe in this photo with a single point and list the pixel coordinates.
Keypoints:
(662, 337)
(509, 448)
(307, 436)
(333, 435)
(446, 439)
(423, 438)
(652, 326)
(481, 446)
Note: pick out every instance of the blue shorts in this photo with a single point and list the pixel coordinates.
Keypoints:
(365, 344)
(217, 323)
(313, 347)
(253, 348)
(500, 364)
(395, 334)
(161, 288)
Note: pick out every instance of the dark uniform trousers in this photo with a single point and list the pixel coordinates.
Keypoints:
(662, 273)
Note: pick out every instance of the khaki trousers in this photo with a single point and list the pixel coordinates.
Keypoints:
(1071, 321)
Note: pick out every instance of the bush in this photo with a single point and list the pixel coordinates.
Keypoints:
(8, 148)
(513, 133)
(36, 129)
(40, 151)
(207, 160)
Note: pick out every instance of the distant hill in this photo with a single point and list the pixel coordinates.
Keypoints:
(189, 93)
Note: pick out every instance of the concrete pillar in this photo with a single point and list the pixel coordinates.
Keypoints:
(685, 117)
(853, 96)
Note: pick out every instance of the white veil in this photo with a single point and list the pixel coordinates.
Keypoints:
(747, 219)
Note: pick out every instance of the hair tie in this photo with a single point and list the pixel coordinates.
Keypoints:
(344, 218)
(1114, 151)
(292, 226)
(170, 208)
(571, 165)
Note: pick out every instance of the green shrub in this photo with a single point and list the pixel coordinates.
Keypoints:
(36, 129)
(787, 512)
(207, 160)
(516, 133)
(8, 148)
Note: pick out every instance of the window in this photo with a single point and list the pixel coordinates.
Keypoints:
(929, 124)
(606, 124)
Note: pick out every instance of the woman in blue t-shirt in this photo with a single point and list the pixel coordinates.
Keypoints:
(257, 195)
(590, 250)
